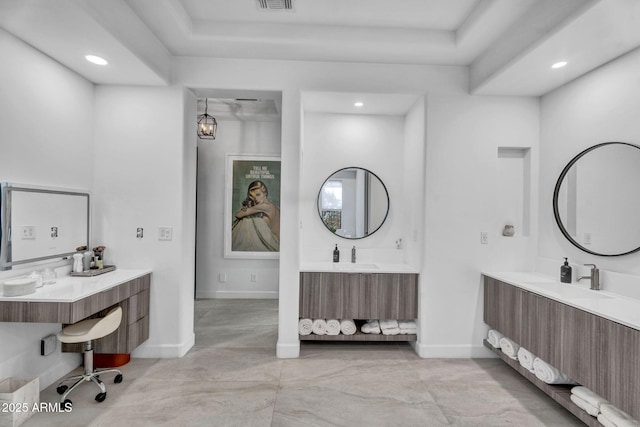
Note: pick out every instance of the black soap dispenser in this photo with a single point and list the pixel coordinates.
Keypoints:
(565, 272)
(336, 254)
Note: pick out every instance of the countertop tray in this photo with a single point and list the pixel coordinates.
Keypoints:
(94, 271)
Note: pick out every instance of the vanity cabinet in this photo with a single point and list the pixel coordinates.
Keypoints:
(596, 352)
(358, 296)
(133, 297)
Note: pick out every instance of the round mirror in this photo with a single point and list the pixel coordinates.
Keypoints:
(353, 203)
(595, 203)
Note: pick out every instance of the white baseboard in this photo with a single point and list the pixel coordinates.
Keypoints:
(454, 351)
(164, 351)
(211, 294)
(288, 351)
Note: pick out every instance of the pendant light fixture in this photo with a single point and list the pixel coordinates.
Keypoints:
(207, 125)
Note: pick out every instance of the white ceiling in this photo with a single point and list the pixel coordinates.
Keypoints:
(508, 45)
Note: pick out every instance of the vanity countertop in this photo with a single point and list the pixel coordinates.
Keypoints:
(617, 308)
(364, 267)
(71, 289)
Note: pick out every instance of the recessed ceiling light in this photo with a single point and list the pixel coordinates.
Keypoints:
(559, 64)
(96, 60)
(358, 104)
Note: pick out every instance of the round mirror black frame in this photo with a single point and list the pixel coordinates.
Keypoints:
(556, 192)
(386, 192)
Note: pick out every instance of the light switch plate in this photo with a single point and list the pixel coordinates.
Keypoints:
(165, 233)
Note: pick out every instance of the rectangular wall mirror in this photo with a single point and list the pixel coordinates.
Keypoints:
(40, 223)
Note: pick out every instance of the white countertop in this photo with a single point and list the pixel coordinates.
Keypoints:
(618, 308)
(74, 288)
(364, 267)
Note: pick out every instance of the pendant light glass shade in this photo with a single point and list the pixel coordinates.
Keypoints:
(207, 125)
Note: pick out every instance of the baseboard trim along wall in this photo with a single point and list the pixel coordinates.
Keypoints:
(210, 294)
(454, 351)
(164, 351)
(288, 351)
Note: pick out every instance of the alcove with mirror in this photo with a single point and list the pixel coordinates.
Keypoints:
(595, 203)
(353, 203)
(38, 223)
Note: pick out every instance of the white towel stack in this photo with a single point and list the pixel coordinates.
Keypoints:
(407, 327)
(549, 374)
(587, 400)
(526, 358)
(389, 327)
(333, 327)
(610, 416)
(305, 326)
(319, 326)
(348, 327)
(371, 327)
(509, 347)
(494, 338)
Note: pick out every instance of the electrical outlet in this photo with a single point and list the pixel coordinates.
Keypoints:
(165, 233)
(254, 277)
(29, 232)
(484, 237)
(48, 345)
(139, 233)
(587, 238)
(222, 277)
(54, 232)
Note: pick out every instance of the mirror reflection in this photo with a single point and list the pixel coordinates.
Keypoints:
(353, 203)
(38, 224)
(594, 202)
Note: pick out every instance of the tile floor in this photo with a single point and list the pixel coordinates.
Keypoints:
(232, 378)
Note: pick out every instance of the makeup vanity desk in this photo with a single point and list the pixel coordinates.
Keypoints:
(72, 299)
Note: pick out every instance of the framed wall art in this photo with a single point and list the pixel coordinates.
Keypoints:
(252, 207)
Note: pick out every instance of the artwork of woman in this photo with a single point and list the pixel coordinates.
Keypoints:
(257, 224)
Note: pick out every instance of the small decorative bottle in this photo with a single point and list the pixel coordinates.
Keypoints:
(565, 272)
(336, 254)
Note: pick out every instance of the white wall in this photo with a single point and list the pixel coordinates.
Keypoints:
(463, 136)
(599, 107)
(233, 137)
(46, 132)
(336, 141)
(145, 177)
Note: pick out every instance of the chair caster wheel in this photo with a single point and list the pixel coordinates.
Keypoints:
(61, 389)
(100, 397)
(118, 379)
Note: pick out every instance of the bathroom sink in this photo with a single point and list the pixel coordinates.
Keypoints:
(568, 291)
(355, 267)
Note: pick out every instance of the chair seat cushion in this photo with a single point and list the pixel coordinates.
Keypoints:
(91, 329)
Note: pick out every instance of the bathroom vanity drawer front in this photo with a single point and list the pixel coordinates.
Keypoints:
(358, 295)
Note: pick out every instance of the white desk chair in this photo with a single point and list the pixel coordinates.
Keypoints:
(87, 331)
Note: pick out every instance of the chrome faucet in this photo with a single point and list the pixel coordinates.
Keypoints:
(594, 277)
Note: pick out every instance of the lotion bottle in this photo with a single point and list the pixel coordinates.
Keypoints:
(336, 254)
(565, 272)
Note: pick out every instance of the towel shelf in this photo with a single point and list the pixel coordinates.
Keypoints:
(331, 295)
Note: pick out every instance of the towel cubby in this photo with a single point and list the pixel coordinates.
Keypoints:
(358, 296)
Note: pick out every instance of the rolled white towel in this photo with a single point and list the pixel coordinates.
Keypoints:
(319, 326)
(388, 324)
(371, 327)
(494, 337)
(588, 396)
(391, 331)
(606, 422)
(509, 347)
(549, 374)
(407, 324)
(348, 327)
(333, 327)
(305, 326)
(408, 331)
(616, 417)
(585, 406)
(526, 358)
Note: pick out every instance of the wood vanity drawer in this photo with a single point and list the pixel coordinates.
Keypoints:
(138, 333)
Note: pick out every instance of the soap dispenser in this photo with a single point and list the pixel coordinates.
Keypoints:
(336, 254)
(565, 272)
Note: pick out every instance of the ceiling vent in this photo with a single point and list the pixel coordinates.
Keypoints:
(275, 4)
